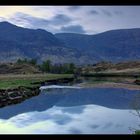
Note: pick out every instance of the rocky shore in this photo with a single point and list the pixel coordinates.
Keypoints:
(21, 93)
(17, 95)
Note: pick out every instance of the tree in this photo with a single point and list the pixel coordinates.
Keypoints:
(46, 66)
(65, 68)
(33, 62)
(56, 68)
(19, 61)
(71, 68)
(25, 60)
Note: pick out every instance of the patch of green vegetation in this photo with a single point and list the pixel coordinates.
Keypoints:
(14, 81)
(66, 68)
(48, 67)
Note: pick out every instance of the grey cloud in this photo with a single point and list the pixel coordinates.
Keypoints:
(107, 13)
(60, 19)
(29, 21)
(94, 126)
(34, 22)
(74, 8)
(73, 29)
(118, 12)
(93, 12)
(109, 124)
(75, 131)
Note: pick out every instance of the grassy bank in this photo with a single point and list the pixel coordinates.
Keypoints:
(8, 81)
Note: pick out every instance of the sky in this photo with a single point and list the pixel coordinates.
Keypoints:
(72, 19)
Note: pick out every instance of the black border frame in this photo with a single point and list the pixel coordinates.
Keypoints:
(69, 2)
(66, 3)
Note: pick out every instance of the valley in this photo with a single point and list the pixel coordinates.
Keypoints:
(102, 65)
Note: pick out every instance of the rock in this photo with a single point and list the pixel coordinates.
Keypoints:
(17, 95)
(137, 82)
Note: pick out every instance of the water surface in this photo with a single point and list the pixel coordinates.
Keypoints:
(74, 111)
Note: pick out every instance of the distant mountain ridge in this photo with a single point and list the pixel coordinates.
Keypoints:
(17, 42)
(116, 45)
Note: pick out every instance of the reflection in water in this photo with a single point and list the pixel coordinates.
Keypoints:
(92, 119)
(72, 111)
(108, 97)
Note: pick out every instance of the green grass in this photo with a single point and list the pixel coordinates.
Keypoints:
(13, 81)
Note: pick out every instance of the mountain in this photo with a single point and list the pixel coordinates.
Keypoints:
(115, 45)
(17, 42)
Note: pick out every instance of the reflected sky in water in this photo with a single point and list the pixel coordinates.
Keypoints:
(73, 111)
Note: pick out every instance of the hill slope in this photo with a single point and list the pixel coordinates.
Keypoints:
(13, 68)
(116, 45)
(17, 42)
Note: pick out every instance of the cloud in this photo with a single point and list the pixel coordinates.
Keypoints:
(74, 8)
(52, 25)
(26, 20)
(60, 19)
(93, 12)
(73, 29)
(118, 13)
(107, 13)
(91, 18)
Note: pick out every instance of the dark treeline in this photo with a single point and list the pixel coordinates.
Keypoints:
(48, 67)
(25, 60)
(66, 68)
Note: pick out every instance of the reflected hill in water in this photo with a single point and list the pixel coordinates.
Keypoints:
(108, 97)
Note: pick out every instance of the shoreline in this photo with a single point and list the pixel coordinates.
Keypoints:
(110, 85)
(21, 93)
(18, 94)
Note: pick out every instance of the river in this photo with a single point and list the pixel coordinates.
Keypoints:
(74, 111)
